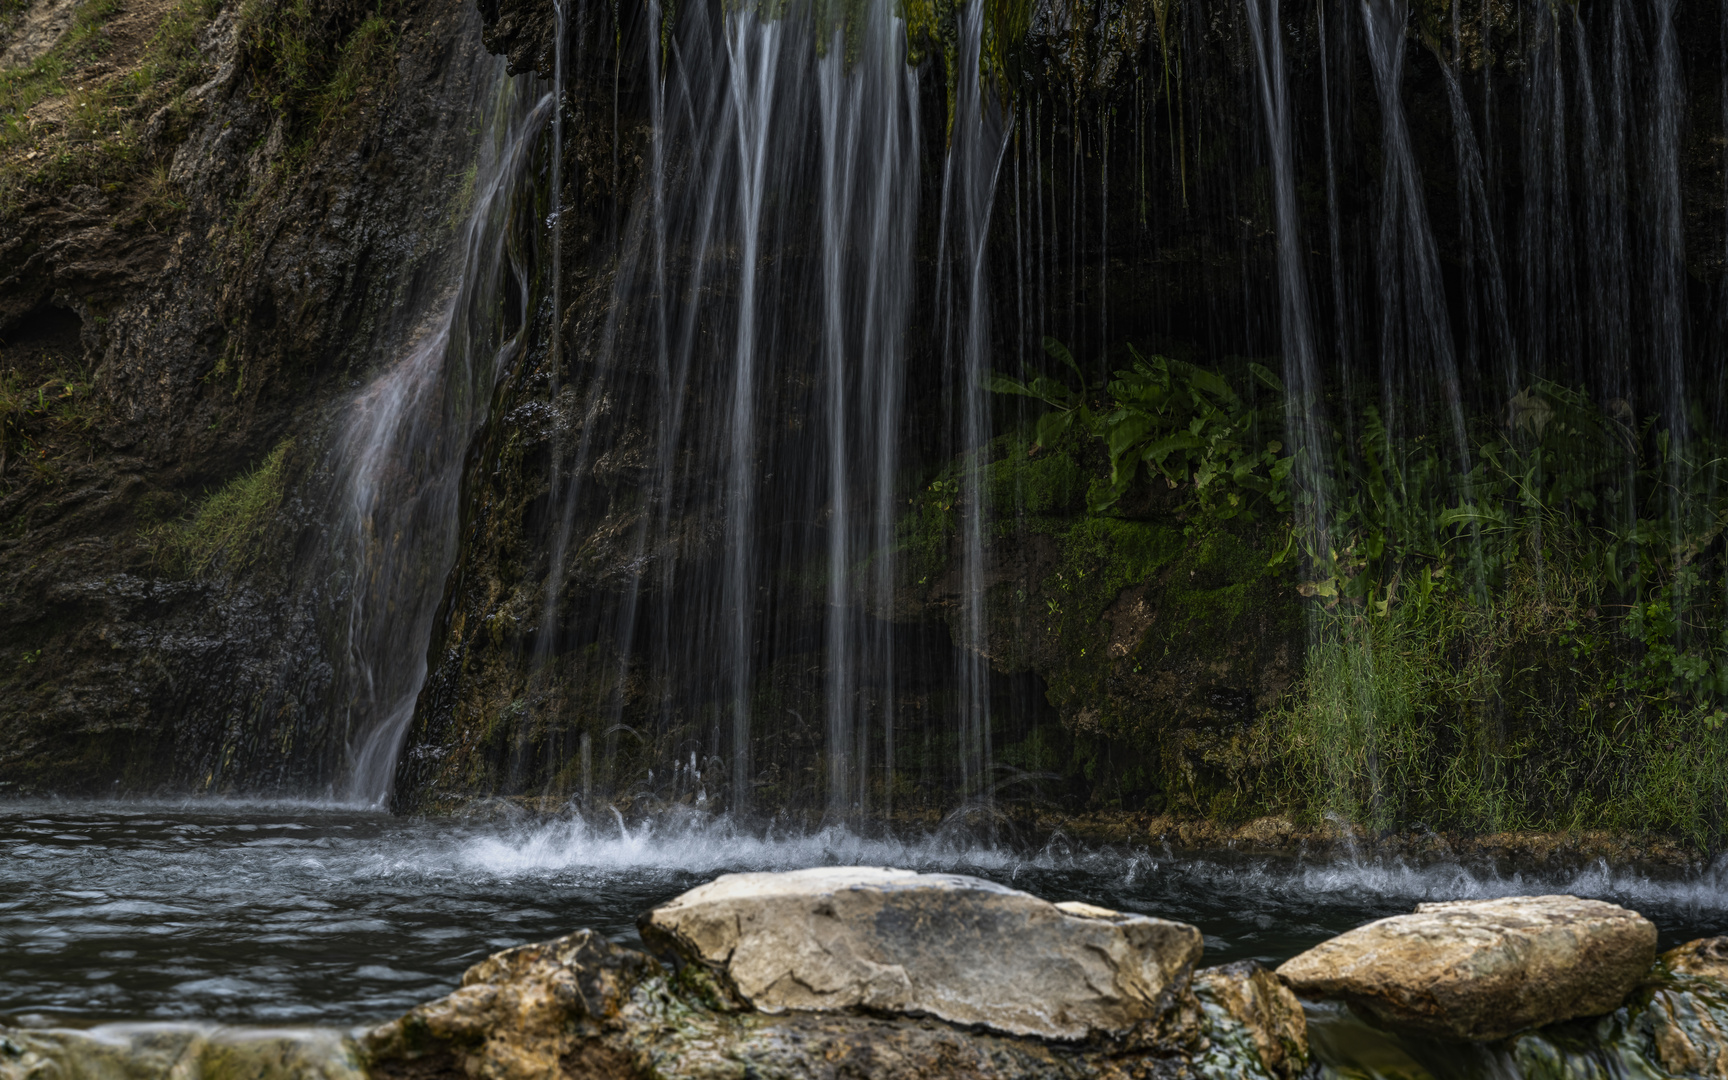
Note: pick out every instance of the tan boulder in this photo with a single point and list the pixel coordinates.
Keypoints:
(957, 948)
(1483, 969)
(1687, 1018)
(1252, 1016)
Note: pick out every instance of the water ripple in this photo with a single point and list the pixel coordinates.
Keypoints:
(273, 911)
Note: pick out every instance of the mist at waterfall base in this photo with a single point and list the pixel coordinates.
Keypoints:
(297, 913)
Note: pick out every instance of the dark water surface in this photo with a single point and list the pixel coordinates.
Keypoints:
(295, 913)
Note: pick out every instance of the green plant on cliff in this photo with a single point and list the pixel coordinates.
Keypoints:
(1523, 629)
(42, 419)
(312, 60)
(225, 532)
(1531, 636)
(1632, 518)
(1169, 420)
(97, 138)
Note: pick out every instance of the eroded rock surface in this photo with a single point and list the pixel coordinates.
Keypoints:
(1253, 1016)
(180, 1052)
(958, 948)
(1686, 1019)
(1483, 969)
(582, 1008)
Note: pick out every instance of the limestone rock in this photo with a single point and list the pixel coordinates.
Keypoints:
(178, 1051)
(958, 948)
(1254, 1016)
(1686, 1019)
(582, 1008)
(1483, 969)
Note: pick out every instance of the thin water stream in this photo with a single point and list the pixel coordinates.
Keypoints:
(300, 913)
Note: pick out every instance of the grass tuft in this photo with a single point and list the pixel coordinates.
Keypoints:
(225, 532)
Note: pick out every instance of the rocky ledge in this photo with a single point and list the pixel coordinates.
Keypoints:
(865, 972)
(857, 972)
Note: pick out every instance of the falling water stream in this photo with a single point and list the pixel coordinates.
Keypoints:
(404, 438)
(740, 418)
(977, 144)
(765, 280)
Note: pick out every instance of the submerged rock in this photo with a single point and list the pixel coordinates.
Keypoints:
(1253, 1017)
(582, 1007)
(958, 948)
(179, 1052)
(1685, 1022)
(1483, 969)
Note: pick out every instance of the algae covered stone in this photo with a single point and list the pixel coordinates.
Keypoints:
(520, 1014)
(178, 1051)
(945, 945)
(1483, 969)
(1687, 1015)
(1251, 1017)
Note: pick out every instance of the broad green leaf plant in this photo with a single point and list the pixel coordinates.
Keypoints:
(1170, 420)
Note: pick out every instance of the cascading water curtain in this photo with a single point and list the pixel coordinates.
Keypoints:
(867, 100)
(752, 359)
(978, 141)
(400, 452)
(1517, 439)
(1304, 381)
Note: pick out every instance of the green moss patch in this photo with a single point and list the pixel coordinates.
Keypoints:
(225, 532)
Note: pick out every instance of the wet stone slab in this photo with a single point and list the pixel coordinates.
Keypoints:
(945, 945)
(1483, 969)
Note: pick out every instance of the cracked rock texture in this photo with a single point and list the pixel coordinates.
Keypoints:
(1483, 969)
(581, 1007)
(190, 1051)
(896, 941)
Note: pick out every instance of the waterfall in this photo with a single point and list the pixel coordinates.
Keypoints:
(1666, 242)
(753, 51)
(706, 600)
(754, 343)
(1416, 353)
(869, 200)
(1302, 376)
(977, 142)
(403, 440)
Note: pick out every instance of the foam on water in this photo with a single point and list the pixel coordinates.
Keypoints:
(273, 912)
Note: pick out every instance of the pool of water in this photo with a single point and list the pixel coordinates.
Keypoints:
(296, 913)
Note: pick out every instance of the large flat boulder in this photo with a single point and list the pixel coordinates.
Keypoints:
(583, 1008)
(957, 948)
(1483, 969)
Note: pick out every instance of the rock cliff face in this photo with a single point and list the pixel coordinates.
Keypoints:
(217, 216)
(209, 232)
